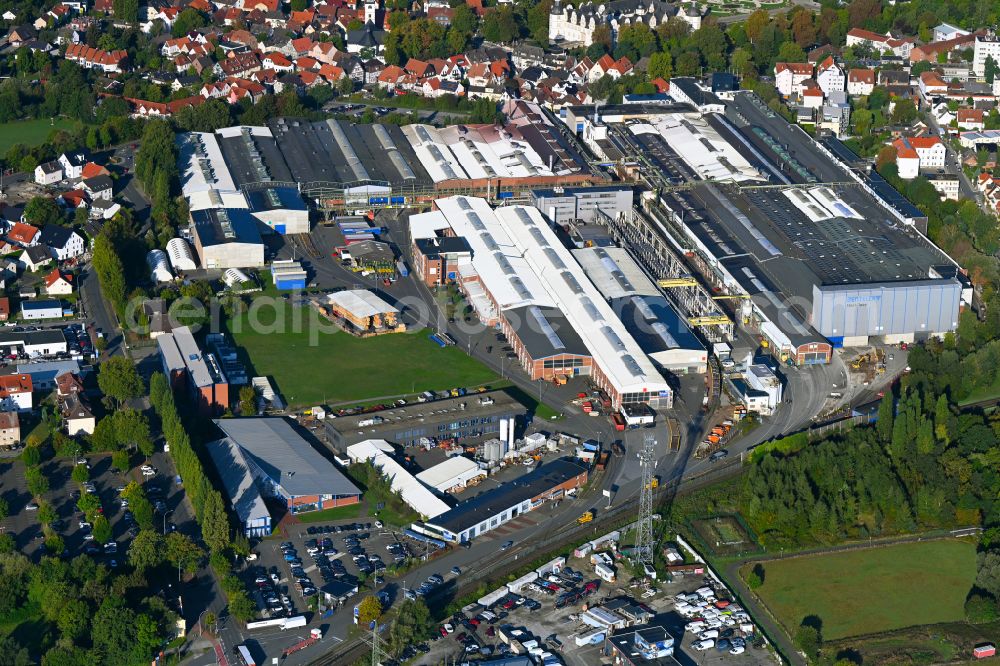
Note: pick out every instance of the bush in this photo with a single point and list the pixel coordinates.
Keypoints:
(981, 607)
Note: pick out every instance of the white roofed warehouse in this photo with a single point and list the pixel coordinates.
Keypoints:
(558, 323)
(282, 465)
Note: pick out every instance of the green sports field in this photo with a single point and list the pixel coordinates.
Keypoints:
(872, 590)
(31, 132)
(313, 367)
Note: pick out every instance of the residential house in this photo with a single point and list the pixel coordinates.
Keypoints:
(48, 173)
(63, 243)
(76, 414)
(19, 35)
(241, 64)
(23, 234)
(391, 77)
(931, 84)
(900, 47)
(970, 119)
(91, 58)
(10, 430)
(916, 153)
(58, 283)
(35, 257)
(860, 81)
(278, 62)
(942, 114)
(15, 393)
(934, 51)
(92, 170)
(99, 187)
(830, 77)
(946, 31)
(788, 76)
(812, 95)
(73, 163)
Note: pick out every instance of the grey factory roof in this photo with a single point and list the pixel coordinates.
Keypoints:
(434, 247)
(655, 325)
(545, 332)
(216, 226)
(275, 198)
(340, 152)
(288, 459)
(348, 428)
(238, 480)
(253, 158)
(493, 502)
(40, 337)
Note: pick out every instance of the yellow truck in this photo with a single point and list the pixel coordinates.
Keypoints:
(585, 518)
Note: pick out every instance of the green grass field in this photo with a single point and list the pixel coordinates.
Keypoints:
(340, 368)
(872, 590)
(31, 132)
(330, 515)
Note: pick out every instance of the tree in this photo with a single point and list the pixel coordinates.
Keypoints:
(756, 23)
(904, 112)
(807, 639)
(31, 456)
(886, 156)
(119, 460)
(756, 577)
(4, 509)
(42, 211)
(741, 62)
(37, 483)
(791, 52)
(411, 625)
(182, 552)
(74, 619)
(102, 530)
(241, 606)
(80, 473)
(110, 271)
(147, 550)
(500, 25)
(369, 610)
(980, 608)
(886, 413)
(188, 20)
(119, 379)
(215, 523)
(126, 10)
(132, 430)
(248, 401)
(46, 513)
(803, 28)
(991, 69)
(465, 20)
(661, 65)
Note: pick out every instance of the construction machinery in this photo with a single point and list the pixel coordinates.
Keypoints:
(669, 283)
(585, 518)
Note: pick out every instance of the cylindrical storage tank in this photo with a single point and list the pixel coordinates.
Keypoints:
(234, 276)
(181, 257)
(159, 270)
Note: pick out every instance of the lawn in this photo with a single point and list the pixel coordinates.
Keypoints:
(872, 590)
(332, 514)
(312, 367)
(31, 132)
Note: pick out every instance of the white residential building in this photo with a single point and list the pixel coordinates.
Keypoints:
(788, 76)
(830, 76)
(985, 47)
(916, 153)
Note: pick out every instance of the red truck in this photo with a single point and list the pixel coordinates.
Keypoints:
(618, 421)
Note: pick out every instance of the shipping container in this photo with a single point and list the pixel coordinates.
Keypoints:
(983, 651)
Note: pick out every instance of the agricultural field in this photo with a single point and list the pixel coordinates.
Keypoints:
(313, 367)
(871, 590)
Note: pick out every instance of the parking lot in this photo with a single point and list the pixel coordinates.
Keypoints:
(106, 483)
(343, 556)
(547, 615)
